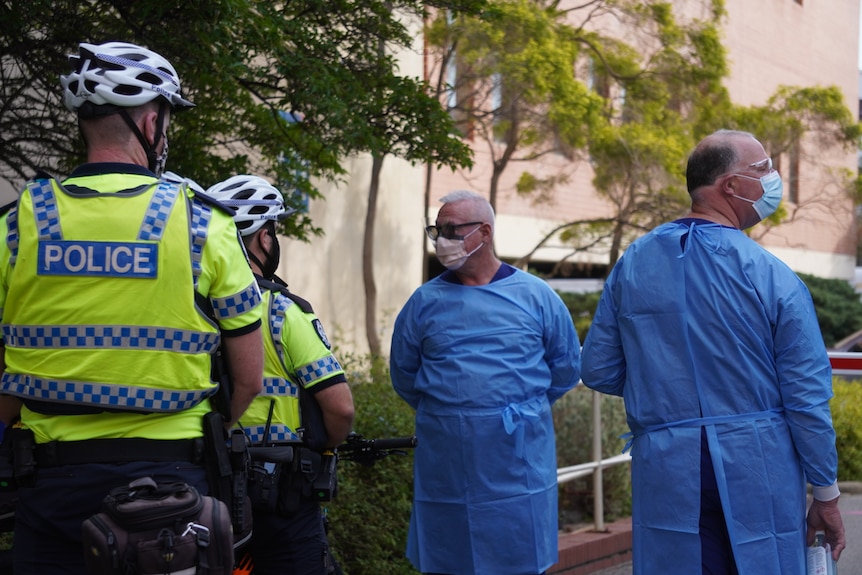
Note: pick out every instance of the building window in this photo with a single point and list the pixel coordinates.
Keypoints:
(297, 166)
(459, 98)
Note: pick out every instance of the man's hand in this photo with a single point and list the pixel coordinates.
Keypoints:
(825, 516)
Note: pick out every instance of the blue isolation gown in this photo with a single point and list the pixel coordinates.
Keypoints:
(481, 365)
(700, 328)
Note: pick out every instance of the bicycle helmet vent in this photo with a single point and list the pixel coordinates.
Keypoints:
(120, 74)
(255, 200)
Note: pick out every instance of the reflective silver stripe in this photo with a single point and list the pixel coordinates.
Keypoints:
(111, 396)
(12, 234)
(279, 303)
(200, 219)
(237, 304)
(110, 336)
(280, 387)
(158, 212)
(277, 432)
(45, 210)
(317, 370)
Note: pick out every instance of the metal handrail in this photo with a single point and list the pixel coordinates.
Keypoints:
(595, 466)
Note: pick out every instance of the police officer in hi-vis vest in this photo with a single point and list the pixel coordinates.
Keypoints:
(106, 352)
(288, 535)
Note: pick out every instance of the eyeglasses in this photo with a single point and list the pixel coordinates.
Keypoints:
(763, 166)
(448, 231)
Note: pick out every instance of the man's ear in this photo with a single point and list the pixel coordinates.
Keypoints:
(149, 122)
(263, 236)
(727, 186)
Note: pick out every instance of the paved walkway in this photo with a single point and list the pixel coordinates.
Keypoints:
(851, 511)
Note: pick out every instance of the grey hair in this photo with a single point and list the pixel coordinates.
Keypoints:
(481, 207)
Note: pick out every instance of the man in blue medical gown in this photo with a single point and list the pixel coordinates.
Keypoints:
(714, 345)
(481, 352)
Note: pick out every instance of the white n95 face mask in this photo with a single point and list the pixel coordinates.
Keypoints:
(452, 253)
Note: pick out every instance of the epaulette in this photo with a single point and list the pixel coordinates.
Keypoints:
(39, 175)
(211, 201)
(272, 286)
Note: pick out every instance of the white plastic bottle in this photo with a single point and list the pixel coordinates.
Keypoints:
(819, 560)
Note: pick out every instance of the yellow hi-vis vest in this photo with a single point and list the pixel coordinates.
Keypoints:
(296, 353)
(100, 311)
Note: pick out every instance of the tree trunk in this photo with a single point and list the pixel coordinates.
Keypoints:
(368, 260)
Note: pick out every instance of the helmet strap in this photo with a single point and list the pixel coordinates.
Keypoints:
(269, 267)
(149, 149)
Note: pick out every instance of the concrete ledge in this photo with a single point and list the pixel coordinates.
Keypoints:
(586, 551)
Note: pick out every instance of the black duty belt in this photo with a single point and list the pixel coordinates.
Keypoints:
(125, 450)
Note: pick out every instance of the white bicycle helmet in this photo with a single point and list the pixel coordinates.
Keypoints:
(255, 200)
(121, 74)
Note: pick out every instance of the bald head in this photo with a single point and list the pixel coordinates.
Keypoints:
(714, 156)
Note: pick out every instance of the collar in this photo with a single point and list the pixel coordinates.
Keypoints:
(699, 221)
(504, 271)
(101, 168)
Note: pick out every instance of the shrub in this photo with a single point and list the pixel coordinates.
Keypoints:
(839, 311)
(371, 512)
(846, 413)
(582, 308)
(572, 420)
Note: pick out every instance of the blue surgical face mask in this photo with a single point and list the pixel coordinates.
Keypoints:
(773, 190)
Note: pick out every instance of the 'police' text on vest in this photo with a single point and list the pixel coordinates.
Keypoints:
(113, 259)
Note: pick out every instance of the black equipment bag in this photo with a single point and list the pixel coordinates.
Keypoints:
(146, 528)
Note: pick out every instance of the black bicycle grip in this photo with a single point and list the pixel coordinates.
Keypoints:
(394, 443)
(273, 453)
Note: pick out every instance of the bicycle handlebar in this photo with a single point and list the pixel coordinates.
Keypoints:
(368, 451)
(386, 443)
(355, 448)
(273, 453)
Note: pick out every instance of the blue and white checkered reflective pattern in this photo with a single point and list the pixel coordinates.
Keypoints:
(200, 219)
(277, 432)
(237, 304)
(314, 371)
(280, 387)
(156, 216)
(45, 209)
(278, 304)
(110, 336)
(116, 396)
(12, 235)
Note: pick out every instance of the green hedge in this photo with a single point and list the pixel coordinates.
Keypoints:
(839, 311)
(573, 424)
(371, 512)
(846, 414)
